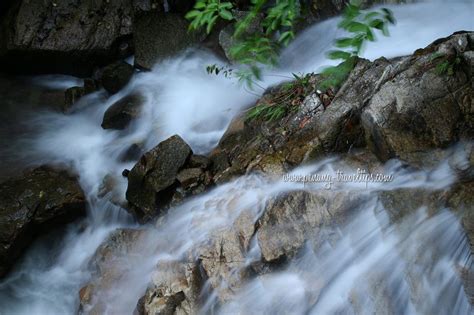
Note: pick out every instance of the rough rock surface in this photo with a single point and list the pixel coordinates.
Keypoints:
(109, 266)
(116, 76)
(65, 36)
(159, 36)
(400, 108)
(151, 181)
(121, 113)
(35, 203)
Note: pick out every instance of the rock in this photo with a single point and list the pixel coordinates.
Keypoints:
(133, 153)
(65, 36)
(189, 177)
(219, 162)
(175, 289)
(151, 180)
(110, 266)
(398, 108)
(90, 86)
(419, 109)
(292, 218)
(75, 93)
(223, 256)
(116, 76)
(200, 161)
(37, 202)
(121, 113)
(180, 6)
(72, 95)
(159, 36)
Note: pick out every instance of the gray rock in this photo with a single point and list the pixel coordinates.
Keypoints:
(122, 112)
(151, 180)
(35, 203)
(71, 96)
(110, 263)
(292, 218)
(419, 109)
(200, 161)
(159, 36)
(189, 177)
(116, 76)
(65, 36)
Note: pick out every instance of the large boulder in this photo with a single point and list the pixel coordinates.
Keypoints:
(399, 108)
(423, 107)
(65, 36)
(35, 203)
(158, 36)
(152, 180)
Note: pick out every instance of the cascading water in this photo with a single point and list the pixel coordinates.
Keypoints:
(182, 99)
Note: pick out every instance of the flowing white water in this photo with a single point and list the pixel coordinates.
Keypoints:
(182, 99)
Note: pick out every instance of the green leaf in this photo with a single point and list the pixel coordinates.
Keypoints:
(377, 23)
(389, 15)
(344, 42)
(356, 27)
(211, 23)
(339, 54)
(226, 15)
(192, 14)
(200, 5)
(369, 16)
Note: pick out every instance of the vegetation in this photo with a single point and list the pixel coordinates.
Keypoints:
(286, 99)
(445, 65)
(255, 49)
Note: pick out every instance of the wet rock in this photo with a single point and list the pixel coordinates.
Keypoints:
(110, 266)
(72, 95)
(398, 108)
(175, 289)
(159, 36)
(223, 256)
(75, 93)
(37, 202)
(133, 153)
(420, 109)
(189, 177)
(121, 113)
(116, 76)
(219, 162)
(65, 36)
(151, 180)
(200, 161)
(292, 218)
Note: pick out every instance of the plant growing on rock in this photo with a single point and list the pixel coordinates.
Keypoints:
(255, 49)
(360, 26)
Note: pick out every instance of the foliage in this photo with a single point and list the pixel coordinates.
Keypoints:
(288, 97)
(445, 65)
(252, 48)
(206, 13)
(360, 26)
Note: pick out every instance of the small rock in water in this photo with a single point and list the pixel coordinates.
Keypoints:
(122, 112)
(116, 76)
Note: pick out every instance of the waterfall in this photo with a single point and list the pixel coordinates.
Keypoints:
(414, 261)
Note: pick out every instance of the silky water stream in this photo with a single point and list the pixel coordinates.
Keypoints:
(414, 262)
